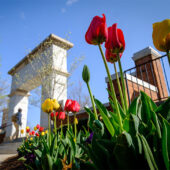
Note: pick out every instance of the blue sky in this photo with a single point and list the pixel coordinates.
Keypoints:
(25, 23)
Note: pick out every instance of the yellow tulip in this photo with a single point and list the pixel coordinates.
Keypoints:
(22, 131)
(27, 127)
(42, 133)
(161, 35)
(31, 139)
(47, 106)
(35, 128)
(76, 121)
(46, 131)
(56, 105)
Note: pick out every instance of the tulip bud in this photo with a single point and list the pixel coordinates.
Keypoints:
(86, 74)
(76, 121)
(22, 131)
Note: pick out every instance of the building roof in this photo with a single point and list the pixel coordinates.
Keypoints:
(51, 39)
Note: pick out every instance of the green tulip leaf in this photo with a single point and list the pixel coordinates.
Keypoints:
(139, 144)
(91, 117)
(148, 153)
(166, 143)
(103, 111)
(128, 139)
(164, 109)
(38, 153)
(50, 162)
(136, 122)
(156, 123)
(133, 106)
(22, 158)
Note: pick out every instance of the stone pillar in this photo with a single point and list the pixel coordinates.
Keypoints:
(18, 99)
(45, 65)
(55, 83)
(4, 117)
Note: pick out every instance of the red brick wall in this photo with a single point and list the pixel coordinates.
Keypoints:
(134, 90)
(154, 74)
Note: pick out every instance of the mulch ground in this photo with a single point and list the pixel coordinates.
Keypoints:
(12, 163)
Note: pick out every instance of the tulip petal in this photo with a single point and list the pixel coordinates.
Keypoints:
(115, 38)
(121, 39)
(161, 31)
(115, 42)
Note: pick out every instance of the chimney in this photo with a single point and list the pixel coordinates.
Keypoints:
(148, 76)
(149, 69)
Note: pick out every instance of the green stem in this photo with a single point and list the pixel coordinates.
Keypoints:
(119, 87)
(75, 127)
(49, 127)
(68, 121)
(112, 88)
(55, 129)
(123, 82)
(92, 100)
(168, 55)
(61, 129)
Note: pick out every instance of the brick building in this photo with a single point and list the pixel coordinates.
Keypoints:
(148, 75)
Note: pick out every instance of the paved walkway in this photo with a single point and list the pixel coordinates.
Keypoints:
(5, 156)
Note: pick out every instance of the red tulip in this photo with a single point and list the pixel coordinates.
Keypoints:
(37, 134)
(115, 42)
(62, 115)
(27, 130)
(75, 107)
(30, 133)
(56, 114)
(52, 116)
(97, 32)
(33, 132)
(111, 57)
(41, 129)
(67, 106)
(38, 126)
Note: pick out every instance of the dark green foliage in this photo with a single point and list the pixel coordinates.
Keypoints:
(144, 142)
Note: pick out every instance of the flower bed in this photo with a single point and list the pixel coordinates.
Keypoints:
(128, 137)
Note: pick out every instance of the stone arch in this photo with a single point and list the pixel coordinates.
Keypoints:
(45, 65)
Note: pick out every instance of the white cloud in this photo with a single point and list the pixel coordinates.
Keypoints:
(70, 2)
(63, 10)
(22, 15)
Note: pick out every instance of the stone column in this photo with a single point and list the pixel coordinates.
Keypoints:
(54, 87)
(55, 82)
(5, 117)
(18, 99)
